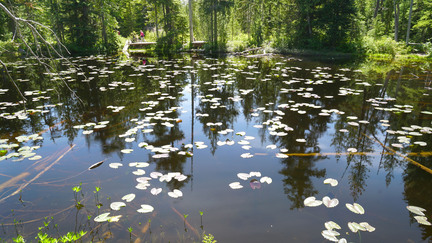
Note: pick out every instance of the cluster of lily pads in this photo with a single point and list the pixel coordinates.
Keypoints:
(420, 215)
(254, 183)
(22, 152)
(91, 126)
(143, 184)
(330, 232)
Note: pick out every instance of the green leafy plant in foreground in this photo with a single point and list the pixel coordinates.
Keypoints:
(76, 190)
(208, 239)
(69, 237)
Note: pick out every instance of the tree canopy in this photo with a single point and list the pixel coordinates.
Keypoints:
(100, 26)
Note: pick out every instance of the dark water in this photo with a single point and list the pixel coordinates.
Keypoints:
(296, 105)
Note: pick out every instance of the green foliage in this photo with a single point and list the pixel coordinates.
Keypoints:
(383, 45)
(208, 239)
(102, 26)
(238, 44)
(174, 25)
(18, 239)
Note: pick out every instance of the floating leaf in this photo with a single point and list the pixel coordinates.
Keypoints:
(126, 151)
(355, 208)
(330, 203)
(129, 197)
(312, 202)
(243, 176)
(330, 225)
(139, 172)
(36, 157)
(330, 235)
(117, 205)
(246, 155)
(367, 226)
(102, 217)
(416, 210)
(281, 156)
(235, 185)
(175, 193)
(115, 165)
(266, 179)
(114, 218)
(422, 220)
(271, 146)
(145, 208)
(155, 191)
(155, 174)
(331, 181)
(352, 150)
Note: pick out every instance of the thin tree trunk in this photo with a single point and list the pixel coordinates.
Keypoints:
(396, 19)
(211, 24)
(215, 25)
(376, 8)
(409, 22)
(190, 23)
(104, 34)
(156, 21)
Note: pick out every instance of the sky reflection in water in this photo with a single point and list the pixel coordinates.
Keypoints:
(303, 122)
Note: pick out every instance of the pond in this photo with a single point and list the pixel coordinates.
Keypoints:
(271, 149)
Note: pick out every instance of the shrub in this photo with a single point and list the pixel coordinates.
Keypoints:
(383, 45)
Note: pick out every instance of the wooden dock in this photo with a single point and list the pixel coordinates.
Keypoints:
(129, 44)
(141, 44)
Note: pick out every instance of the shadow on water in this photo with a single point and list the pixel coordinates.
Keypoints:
(327, 119)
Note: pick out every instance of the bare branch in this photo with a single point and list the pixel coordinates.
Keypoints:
(11, 79)
(38, 40)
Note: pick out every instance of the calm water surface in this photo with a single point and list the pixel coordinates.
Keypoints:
(294, 121)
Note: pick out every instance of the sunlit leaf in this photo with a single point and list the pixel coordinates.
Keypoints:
(330, 225)
(330, 235)
(330, 203)
(155, 191)
(115, 165)
(139, 172)
(114, 218)
(145, 208)
(243, 176)
(367, 226)
(117, 205)
(331, 181)
(129, 197)
(416, 210)
(312, 202)
(126, 151)
(235, 185)
(422, 220)
(175, 193)
(266, 179)
(102, 217)
(355, 208)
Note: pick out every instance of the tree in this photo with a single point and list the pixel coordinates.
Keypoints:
(409, 22)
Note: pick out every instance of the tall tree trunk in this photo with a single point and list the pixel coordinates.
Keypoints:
(376, 8)
(190, 23)
(409, 22)
(215, 25)
(309, 24)
(104, 34)
(396, 19)
(211, 23)
(156, 21)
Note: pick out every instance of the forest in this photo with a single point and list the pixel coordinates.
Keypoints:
(102, 26)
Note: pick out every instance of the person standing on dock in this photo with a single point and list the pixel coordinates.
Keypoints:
(142, 35)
